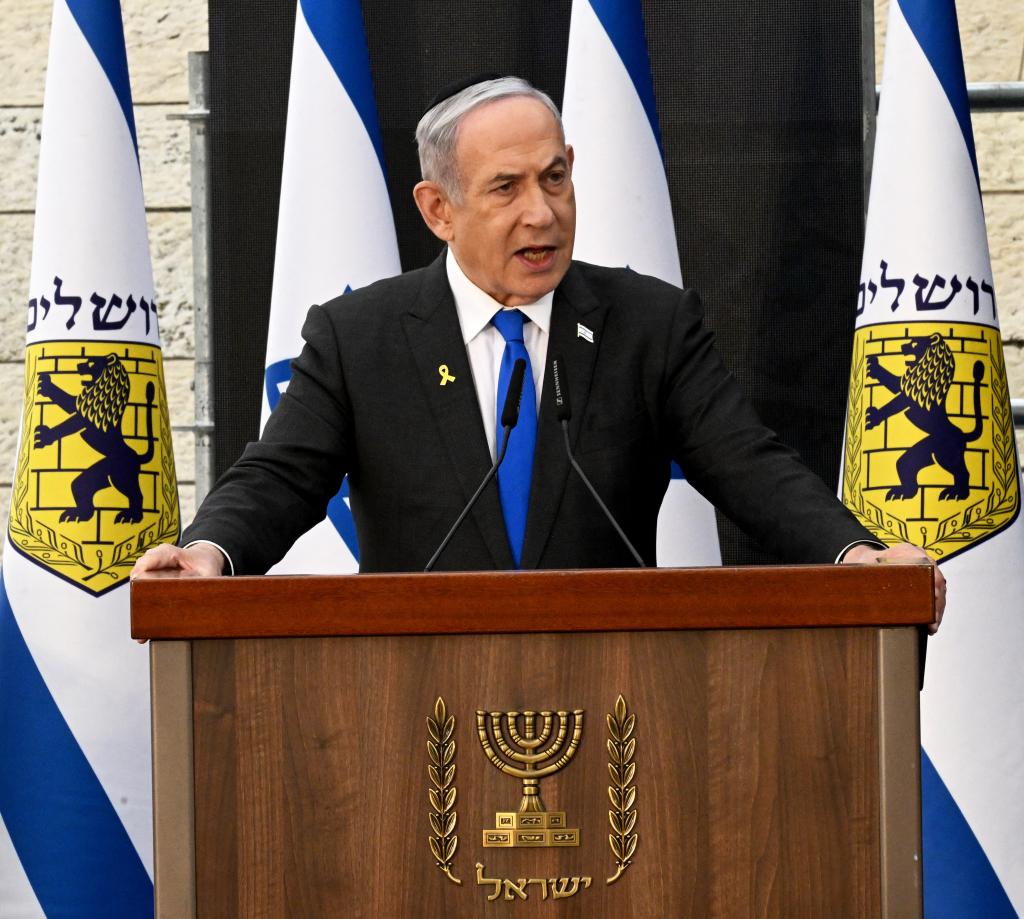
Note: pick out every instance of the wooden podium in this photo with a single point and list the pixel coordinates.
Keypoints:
(709, 742)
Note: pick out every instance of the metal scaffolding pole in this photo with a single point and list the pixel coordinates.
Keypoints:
(197, 116)
(996, 97)
(990, 97)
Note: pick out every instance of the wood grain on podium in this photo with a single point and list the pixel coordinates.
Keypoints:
(758, 748)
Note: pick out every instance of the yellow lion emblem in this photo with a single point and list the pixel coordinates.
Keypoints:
(96, 413)
(921, 393)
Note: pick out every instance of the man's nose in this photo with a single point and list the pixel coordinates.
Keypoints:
(537, 210)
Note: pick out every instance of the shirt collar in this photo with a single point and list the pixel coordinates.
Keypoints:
(475, 308)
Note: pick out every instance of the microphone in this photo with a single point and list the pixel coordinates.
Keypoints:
(509, 419)
(510, 410)
(563, 412)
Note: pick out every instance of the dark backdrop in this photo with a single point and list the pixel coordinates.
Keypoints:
(761, 117)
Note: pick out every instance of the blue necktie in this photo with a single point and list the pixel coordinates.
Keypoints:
(517, 468)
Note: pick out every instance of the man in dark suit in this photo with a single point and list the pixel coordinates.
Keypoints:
(399, 383)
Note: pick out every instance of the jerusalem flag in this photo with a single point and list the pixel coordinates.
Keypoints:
(930, 458)
(94, 486)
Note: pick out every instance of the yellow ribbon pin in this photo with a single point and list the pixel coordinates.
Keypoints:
(446, 377)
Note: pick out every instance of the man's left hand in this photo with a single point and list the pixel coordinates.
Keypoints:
(904, 551)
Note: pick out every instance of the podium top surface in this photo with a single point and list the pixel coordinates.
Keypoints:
(533, 601)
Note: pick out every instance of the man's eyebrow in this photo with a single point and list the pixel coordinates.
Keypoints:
(502, 177)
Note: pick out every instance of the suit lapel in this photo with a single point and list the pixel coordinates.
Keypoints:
(432, 330)
(574, 305)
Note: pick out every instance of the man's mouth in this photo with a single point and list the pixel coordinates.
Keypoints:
(536, 256)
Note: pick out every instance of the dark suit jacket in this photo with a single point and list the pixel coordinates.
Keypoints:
(366, 399)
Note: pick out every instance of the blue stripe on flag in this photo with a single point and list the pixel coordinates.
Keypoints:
(958, 878)
(340, 515)
(934, 25)
(337, 26)
(338, 512)
(623, 20)
(71, 843)
(100, 22)
(274, 378)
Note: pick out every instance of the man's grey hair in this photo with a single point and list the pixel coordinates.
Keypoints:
(438, 130)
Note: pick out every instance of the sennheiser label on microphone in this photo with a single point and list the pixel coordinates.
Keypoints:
(558, 383)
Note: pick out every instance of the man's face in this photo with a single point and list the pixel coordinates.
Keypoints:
(512, 232)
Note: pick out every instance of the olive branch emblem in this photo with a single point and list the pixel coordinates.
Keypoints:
(441, 748)
(621, 769)
(854, 433)
(168, 479)
(21, 477)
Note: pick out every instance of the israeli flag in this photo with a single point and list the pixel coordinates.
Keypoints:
(624, 214)
(93, 487)
(932, 455)
(335, 231)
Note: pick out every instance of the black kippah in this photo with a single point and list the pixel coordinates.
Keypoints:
(458, 86)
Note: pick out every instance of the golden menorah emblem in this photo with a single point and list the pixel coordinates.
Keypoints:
(528, 745)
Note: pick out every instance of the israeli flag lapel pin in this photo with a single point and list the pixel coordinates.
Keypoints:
(583, 332)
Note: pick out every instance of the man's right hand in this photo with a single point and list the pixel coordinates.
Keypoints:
(200, 560)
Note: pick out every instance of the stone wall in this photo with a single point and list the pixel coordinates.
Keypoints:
(159, 35)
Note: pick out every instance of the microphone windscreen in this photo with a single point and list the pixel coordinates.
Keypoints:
(510, 412)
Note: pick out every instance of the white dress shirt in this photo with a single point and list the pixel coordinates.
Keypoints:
(485, 345)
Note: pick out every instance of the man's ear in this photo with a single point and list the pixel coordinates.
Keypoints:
(570, 156)
(434, 209)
